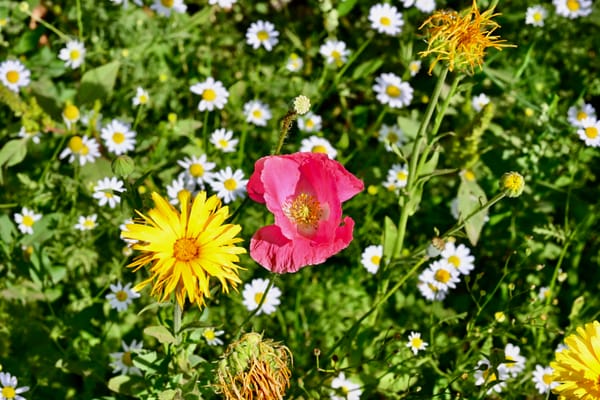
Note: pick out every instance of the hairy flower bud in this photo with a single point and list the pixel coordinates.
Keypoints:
(512, 183)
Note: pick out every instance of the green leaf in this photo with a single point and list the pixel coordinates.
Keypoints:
(345, 7)
(147, 362)
(121, 384)
(161, 334)
(98, 83)
(470, 198)
(390, 236)
(13, 152)
(367, 68)
(168, 394)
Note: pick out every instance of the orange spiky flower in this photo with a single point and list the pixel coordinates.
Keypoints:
(461, 39)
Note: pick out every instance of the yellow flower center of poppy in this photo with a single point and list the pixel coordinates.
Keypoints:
(547, 378)
(581, 115)
(88, 223)
(196, 170)
(209, 334)
(591, 132)
(441, 275)
(454, 260)
(257, 113)
(230, 184)
(167, 3)
(8, 392)
(537, 16)
(416, 342)
(76, 144)
(385, 21)
(118, 137)
(573, 5)
(262, 35)
(74, 55)
(258, 297)
(12, 76)
(185, 249)
(319, 149)
(401, 175)
(223, 143)
(71, 112)
(304, 210)
(209, 95)
(392, 91)
(126, 359)
(376, 260)
(27, 220)
(121, 295)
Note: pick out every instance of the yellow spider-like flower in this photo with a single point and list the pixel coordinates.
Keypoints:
(187, 248)
(461, 39)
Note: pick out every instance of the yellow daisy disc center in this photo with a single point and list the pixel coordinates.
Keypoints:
(12, 76)
(223, 143)
(126, 359)
(581, 115)
(8, 392)
(385, 21)
(573, 5)
(442, 275)
(454, 260)
(258, 297)
(591, 132)
(416, 342)
(392, 91)
(196, 170)
(167, 3)
(118, 137)
(74, 55)
(230, 184)
(71, 112)
(262, 35)
(121, 295)
(185, 249)
(209, 334)
(376, 260)
(209, 95)
(27, 220)
(319, 149)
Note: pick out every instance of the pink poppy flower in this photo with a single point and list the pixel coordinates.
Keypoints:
(304, 191)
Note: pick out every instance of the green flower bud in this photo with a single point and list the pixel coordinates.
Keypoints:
(122, 166)
(512, 183)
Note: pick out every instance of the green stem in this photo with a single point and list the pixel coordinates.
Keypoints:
(177, 316)
(286, 124)
(48, 26)
(79, 22)
(137, 117)
(242, 146)
(440, 116)
(205, 132)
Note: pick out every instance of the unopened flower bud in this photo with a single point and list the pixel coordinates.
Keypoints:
(122, 166)
(301, 105)
(512, 183)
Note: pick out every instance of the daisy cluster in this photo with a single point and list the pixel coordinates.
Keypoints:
(536, 15)
(583, 118)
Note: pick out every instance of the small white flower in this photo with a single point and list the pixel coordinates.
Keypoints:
(386, 19)
(576, 114)
(590, 132)
(536, 15)
(33, 136)
(257, 112)
(121, 296)
(294, 63)
(262, 33)
(560, 347)
(86, 223)
(429, 291)
(141, 97)
(415, 343)
(345, 389)
(441, 274)
(25, 220)
(255, 291)
(178, 186)
(398, 175)
(227, 4)
(335, 52)
(125, 3)
(72, 54)
(214, 95)
(210, 335)
(165, 7)
(542, 378)
(315, 144)
(485, 375)
(543, 293)
(391, 135)
(414, 67)
(82, 149)
(516, 362)
(371, 258)
(105, 189)
(122, 361)
(459, 256)
(197, 169)
(118, 137)
(426, 6)
(392, 90)
(14, 75)
(310, 122)
(9, 389)
(229, 185)
(573, 8)
(123, 228)
(223, 140)
(479, 101)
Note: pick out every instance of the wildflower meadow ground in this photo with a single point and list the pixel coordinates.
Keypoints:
(322, 199)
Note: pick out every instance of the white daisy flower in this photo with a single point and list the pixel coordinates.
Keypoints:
(72, 54)
(536, 15)
(25, 220)
(70, 115)
(255, 291)
(214, 95)
(344, 388)
(543, 293)
(118, 137)
(459, 256)
(315, 144)
(429, 291)
(92, 118)
(386, 19)
(178, 186)
(415, 343)
(542, 378)
(516, 362)
(573, 8)
(121, 296)
(14, 75)
(33, 136)
(123, 228)
(223, 140)
(165, 7)
(257, 112)
(392, 90)
(227, 4)
(262, 33)
(82, 149)
(105, 189)
(590, 132)
(197, 169)
(335, 52)
(310, 122)
(122, 361)
(441, 274)
(371, 258)
(426, 6)
(141, 97)
(398, 175)
(577, 114)
(125, 3)
(391, 135)
(229, 185)
(414, 67)
(485, 375)
(294, 63)
(86, 223)
(480, 101)
(9, 389)
(211, 336)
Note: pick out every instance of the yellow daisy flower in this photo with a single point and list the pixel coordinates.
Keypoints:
(577, 368)
(187, 248)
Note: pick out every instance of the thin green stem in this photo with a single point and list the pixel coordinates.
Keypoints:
(177, 316)
(138, 115)
(63, 36)
(242, 146)
(205, 132)
(79, 21)
(440, 116)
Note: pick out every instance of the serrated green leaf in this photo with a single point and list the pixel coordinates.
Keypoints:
(161, 334)
(98, 83)
(470, 198)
